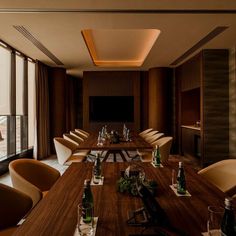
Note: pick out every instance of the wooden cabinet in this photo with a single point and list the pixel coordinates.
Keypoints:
(190, 73)
(191, 138)
(204, 96)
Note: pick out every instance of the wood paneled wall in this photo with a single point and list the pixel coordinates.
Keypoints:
(215, 97)
(160, 110)
(111, 83)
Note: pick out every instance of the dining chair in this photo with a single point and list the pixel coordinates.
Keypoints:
(14, 205)
(164, 144)
(32, 177)
(143, 133)
(72, 138)
(150, 134)
(222, 174)
(78, 135)
(154, 137)
(82, 132)
(67, 152)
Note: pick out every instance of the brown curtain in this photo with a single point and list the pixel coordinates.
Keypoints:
(42, 143)
(71, 102)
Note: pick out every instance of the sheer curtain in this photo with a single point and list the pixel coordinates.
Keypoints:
(42, 141)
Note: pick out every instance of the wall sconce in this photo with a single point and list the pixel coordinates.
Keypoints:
(1, 138)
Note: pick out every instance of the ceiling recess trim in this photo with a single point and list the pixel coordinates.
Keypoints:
(37, 43)
(215, 32)
(119, 11)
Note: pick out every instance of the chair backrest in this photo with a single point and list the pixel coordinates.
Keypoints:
(14, 205)
(143, 133)
(32, 177)
(222, 174)
(72, 138)
(64, 149)
(76, 134)
(150, 134)
(82, 133)
(154, 138)
(164, 146)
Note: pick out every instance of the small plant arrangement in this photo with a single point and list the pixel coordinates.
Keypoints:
(131, 179)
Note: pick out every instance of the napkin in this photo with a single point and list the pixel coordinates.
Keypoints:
(157, 166)
(99, 183)
(187, 194)
(76, 233)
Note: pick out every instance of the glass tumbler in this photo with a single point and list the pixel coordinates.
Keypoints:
(85, 219)
(215, 215)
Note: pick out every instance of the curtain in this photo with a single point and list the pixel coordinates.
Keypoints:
(71, 103)
(42, 142)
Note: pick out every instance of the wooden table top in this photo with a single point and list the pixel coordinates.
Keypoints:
(137, 142)
(56, 214)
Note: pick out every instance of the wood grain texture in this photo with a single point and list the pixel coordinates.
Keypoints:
(215, 105)
(56, 214)
(137, 142)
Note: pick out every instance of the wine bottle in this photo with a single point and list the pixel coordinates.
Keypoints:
(228, 222)
(181, 184)
(97, 167)
(157, 156)
(87, 199)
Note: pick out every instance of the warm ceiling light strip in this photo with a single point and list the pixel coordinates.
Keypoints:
(37, 43)
(218, 30)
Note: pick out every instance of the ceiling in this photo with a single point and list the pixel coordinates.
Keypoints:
(57, 24)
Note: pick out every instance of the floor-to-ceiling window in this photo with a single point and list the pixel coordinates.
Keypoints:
(17, 102)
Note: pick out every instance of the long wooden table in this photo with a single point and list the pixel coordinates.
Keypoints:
(136, 142)
(56, 214)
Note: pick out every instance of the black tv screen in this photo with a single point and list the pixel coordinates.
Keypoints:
(111, 108)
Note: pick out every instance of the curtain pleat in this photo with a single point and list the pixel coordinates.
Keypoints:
(42, 143)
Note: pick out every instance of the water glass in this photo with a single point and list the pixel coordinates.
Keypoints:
(95, 178)
(85, 219)
(215, 215)
(173, 178)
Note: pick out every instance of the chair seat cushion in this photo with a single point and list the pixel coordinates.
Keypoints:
(146, 158)
(75, 158)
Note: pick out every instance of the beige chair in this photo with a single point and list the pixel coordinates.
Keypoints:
(67, 152)
(32, 177)
(154, 138)
(77, 135)
(14, 205)
(164, 147)
(143, 133)
(222, 174)
(72, 138)
(150, 134)
(82, 133)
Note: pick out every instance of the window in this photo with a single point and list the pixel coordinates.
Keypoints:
(31, 103)
(17, 102)
(5, 88)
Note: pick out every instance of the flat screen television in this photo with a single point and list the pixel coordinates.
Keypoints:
(111, 108)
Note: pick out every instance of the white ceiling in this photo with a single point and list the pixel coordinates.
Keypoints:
(57, 24)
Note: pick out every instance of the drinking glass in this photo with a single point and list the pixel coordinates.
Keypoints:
(173, 178)
(215, 215)
(85, 219)
(95, 178)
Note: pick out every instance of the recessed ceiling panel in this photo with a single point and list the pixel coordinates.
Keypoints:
(119, 47)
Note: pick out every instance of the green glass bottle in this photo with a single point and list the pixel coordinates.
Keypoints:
(181, 184)
(86, 200)
(228, 222)
(157, 156)
(97, 167)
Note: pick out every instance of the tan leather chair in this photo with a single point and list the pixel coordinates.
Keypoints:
(155, 137)
(77, 135)
(143, 133)
(164, 147)
(82, 133)
(32, 177)
(14, 205)
(150, 134)
(72, 138)
(67, 152)
(222, 174)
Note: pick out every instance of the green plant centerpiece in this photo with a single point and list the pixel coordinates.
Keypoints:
(133, 177)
